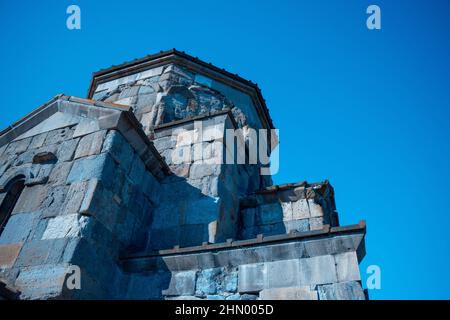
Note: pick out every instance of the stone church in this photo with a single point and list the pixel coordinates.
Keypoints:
(92, 190)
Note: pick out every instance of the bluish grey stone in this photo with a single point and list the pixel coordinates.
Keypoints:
(100, 167)
(181, 284)
(119, 149)
(90, 144)
(41, 252)
(284, 273)
(59, 135)
(19, 227)
(317, 270)
(350, 290)
(207, 282)
(251, 277)
(270, 213)
(53, 204)
(297, 225)
(215, 297)
(66, 150)
(41, 282)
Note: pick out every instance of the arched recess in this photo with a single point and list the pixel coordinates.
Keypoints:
(13, 190)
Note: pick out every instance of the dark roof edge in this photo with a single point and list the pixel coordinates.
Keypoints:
(181, 54)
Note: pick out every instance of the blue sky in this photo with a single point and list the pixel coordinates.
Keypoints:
(368, 110)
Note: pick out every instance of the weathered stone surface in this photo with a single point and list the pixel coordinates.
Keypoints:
(18, 147)
(19, 227)
(269, 214)
(37, 141)
(317, 270)
(53, 204)
(85, 127)
(284, 273)
(90, 144)
(59, 135)
(65, 226)
(41, 252)
(9, 254)
(31, 199)
(251, 278)
(59, 173)
(341, 291)
(181, 284)
(300, 209)
(316, 223)
(41, 282)
(315, 209)
(347, 266)
(297, 225)
(99, 167)
(289, 293)
(119, 149)
(66, 150)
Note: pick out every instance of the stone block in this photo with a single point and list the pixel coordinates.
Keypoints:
(315, 209)
(287, 210)
(318, 247)
(351, 290)
(40, 173)
(9, 254)
(37, 141)
(199, 171)
(230, 281)
(59, 135)
(317, 270)
(207, 282)
(18, 147)
(41, 252)
(297, 225)
(19, 227)
(31, 199)
(85, 127)
(270, 213)
(300, 209)
(65, 226)
(98, 202)
(290, 293)
(59, 173)
(119, 148)
(75, 196)
(284, 273)
(42, 282)
(181, 284)
(251, 278)
(347, 266)
(316, 224)
(90, 144)
(53, 204)
(66, 150)
(137, 170)
(99, 167)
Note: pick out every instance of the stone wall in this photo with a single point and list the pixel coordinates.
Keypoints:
(308, 266)
(200, 201)
(88, 199)
(290, 208)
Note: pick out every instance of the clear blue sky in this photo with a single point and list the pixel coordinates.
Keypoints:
(368, 110)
